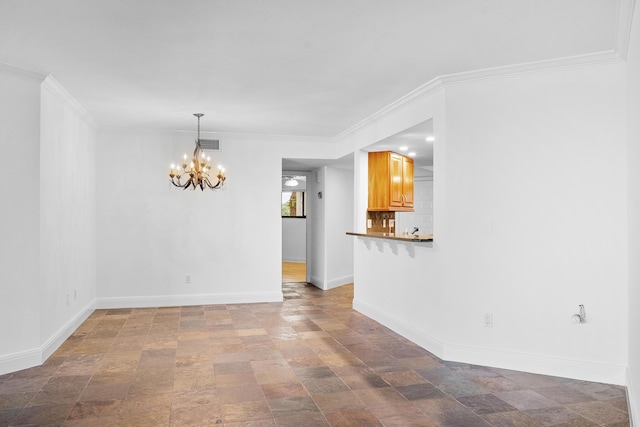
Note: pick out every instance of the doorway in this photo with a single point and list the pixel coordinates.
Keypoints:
(294, 226)
(328, 253)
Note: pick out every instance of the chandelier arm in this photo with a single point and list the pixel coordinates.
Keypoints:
(176, 182)
(186, 184)
(209, 184)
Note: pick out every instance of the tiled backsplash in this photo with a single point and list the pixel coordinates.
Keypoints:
(381, 222)
(422, 217)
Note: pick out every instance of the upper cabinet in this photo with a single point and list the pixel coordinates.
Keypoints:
(390, 182)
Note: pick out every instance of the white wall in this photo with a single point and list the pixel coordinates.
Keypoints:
(294, 239)
(67, 215)
(329, 250)
(544, 155)
(151, 235)
(338, 219)
(401, 285)
(633, 91)
(19, 220)
(316, 224)
(48, 228)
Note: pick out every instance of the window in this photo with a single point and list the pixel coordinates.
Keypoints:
(294, 204)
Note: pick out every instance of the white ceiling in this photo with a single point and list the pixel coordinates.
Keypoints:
(283, 67)
(413, 139)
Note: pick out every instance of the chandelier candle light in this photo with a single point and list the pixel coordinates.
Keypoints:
(196, 173)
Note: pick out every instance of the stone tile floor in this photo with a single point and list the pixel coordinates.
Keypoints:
(309, 361)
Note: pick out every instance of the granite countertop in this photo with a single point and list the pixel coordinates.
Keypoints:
(399, 236)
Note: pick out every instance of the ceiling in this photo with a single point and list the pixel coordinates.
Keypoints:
(280, 67)
(411, 142)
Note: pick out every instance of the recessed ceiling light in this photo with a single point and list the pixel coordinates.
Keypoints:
(412, 154)
(430, 138)
(404, 148)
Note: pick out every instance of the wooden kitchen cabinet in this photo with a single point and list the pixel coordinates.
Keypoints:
(390, 182)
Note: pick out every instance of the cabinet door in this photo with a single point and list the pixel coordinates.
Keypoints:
(379, 181)
(395, 177)
(407, 181)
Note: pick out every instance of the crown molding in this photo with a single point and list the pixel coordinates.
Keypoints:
(57, 90)
(438, 83)
(590, 59)
(428, 88)
(11, 69)
(617, 54)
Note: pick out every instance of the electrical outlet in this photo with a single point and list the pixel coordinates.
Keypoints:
(187, 279)
(487, 320)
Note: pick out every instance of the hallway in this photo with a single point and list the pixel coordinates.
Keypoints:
(309, 361)
(294, 272)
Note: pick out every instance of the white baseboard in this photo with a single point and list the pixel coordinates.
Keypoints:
(56, 340)
(424, 340)
(182, 300)
(536, 363)
(339, 281)
(333, 283)
(316, 281)
(36, 356)
(294, 259)
(539, 364)
(20, 360)
(633, 400)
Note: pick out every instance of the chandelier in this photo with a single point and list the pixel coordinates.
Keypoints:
(196, 173)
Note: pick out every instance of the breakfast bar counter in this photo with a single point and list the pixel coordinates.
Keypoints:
(404, 237)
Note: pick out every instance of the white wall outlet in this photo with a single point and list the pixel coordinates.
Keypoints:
(487, 320)
(187, 279)
(369, 223)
